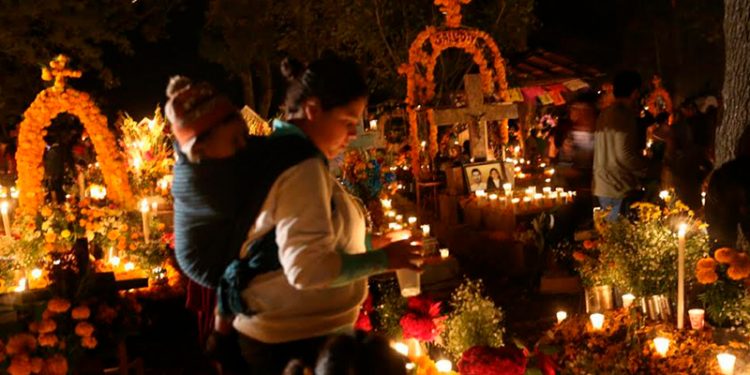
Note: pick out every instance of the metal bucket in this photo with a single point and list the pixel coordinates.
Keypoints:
(656, 307)
(599, 299)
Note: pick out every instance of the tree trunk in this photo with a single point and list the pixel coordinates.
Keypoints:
(736, 92)
(267, 83)
(248, 89)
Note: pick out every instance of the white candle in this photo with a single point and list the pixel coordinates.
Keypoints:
(444, 253)
(703, 198)
(664, 195)
(661, 344)
(597, 321)
(546, 190)
(399, 218)
(129, 266)
(507, 187)
(681, 276)
(412, 220)
(561, 315)
(386, 203)
(493, 199)
(627, 300)
(144, 217)
(391, 214)
(480, 193)
(425, 230)
(443, 366)
(401, 348)
(6, 218)
(726, 363)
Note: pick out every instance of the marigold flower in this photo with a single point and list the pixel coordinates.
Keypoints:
(36, 365)
(56, 365)
(738, 271)
(65, 234)
(19, 365)
(58, 305)
(48, 340)
(47, 326)
(50, 236)
(579, 256)
(706, 276)
(82, 222)
(20, 343)
(46, 212)
(84, 329)
(88, 342)
(706, 264)
(70, 218)
(81, 313)
(725, 255)
(588, 244)
(112, 235)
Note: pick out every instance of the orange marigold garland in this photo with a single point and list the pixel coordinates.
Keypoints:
(47, 105)
(419, 72)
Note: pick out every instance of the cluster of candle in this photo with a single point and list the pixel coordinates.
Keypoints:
(8, 192)
(413, 351)
(398, 223)
(530, 198)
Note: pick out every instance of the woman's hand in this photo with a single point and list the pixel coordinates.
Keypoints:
(403, 255)
(381, 241)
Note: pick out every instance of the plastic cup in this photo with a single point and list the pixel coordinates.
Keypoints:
(696, 318)
(409, 282)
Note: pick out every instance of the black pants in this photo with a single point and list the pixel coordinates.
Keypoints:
(271, 359)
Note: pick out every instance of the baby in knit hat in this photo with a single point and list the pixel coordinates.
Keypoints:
(204, 123)
(209, 132)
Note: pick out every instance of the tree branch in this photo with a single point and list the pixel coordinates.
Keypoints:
(382, 34)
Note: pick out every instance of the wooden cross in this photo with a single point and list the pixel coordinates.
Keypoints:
(59, 72)
(477, 113)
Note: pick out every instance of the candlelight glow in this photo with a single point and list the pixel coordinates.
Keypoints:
(561, 315)
(36, 273)
(4, 207)
(480, 193)
(412, 220)
(144, 205)
(129, 266)
(444, 366)
(664, 195)
(21, 285)
(425, 230)
(444, 253)
(661, 344)
(115, 261)
(682, 230)
(597, 321)
(726, 363)
(401, 348)
(386, 203)
(97, 192)
(627, 300)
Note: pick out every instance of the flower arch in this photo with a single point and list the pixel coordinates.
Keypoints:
(423, 54)
(46, 106)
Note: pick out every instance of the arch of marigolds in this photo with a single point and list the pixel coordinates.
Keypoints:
(49, 104)
(420, 71)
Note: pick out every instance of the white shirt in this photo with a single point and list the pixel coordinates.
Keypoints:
(295, 303)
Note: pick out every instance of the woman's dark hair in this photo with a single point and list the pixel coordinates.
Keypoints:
(361, 354)
(495, 170)
(335, 81)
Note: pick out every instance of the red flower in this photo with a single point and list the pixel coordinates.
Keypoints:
(422, 320)
(168, 238)
(546, 363)
(363, 320)
(484, 360)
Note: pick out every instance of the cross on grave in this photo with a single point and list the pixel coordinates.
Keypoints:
(477, 113)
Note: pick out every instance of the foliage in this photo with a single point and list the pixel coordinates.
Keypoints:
(725, 294)
(474, 321)
(390, 309)
(640, 256)
(148, 149)
(363, 175)
(91, 31)
(625, 346)
(52, 232)
(377, 33)
(60, 333)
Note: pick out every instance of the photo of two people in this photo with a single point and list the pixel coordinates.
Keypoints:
(489, 176)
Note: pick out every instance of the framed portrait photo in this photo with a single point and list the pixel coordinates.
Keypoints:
(488, 176)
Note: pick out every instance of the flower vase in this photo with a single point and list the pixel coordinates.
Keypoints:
(599, 299)
(656, 307)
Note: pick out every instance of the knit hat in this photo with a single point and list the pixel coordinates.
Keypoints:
(193, 109)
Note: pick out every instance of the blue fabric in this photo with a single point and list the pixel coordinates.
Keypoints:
(357, 266)
(614, 203)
